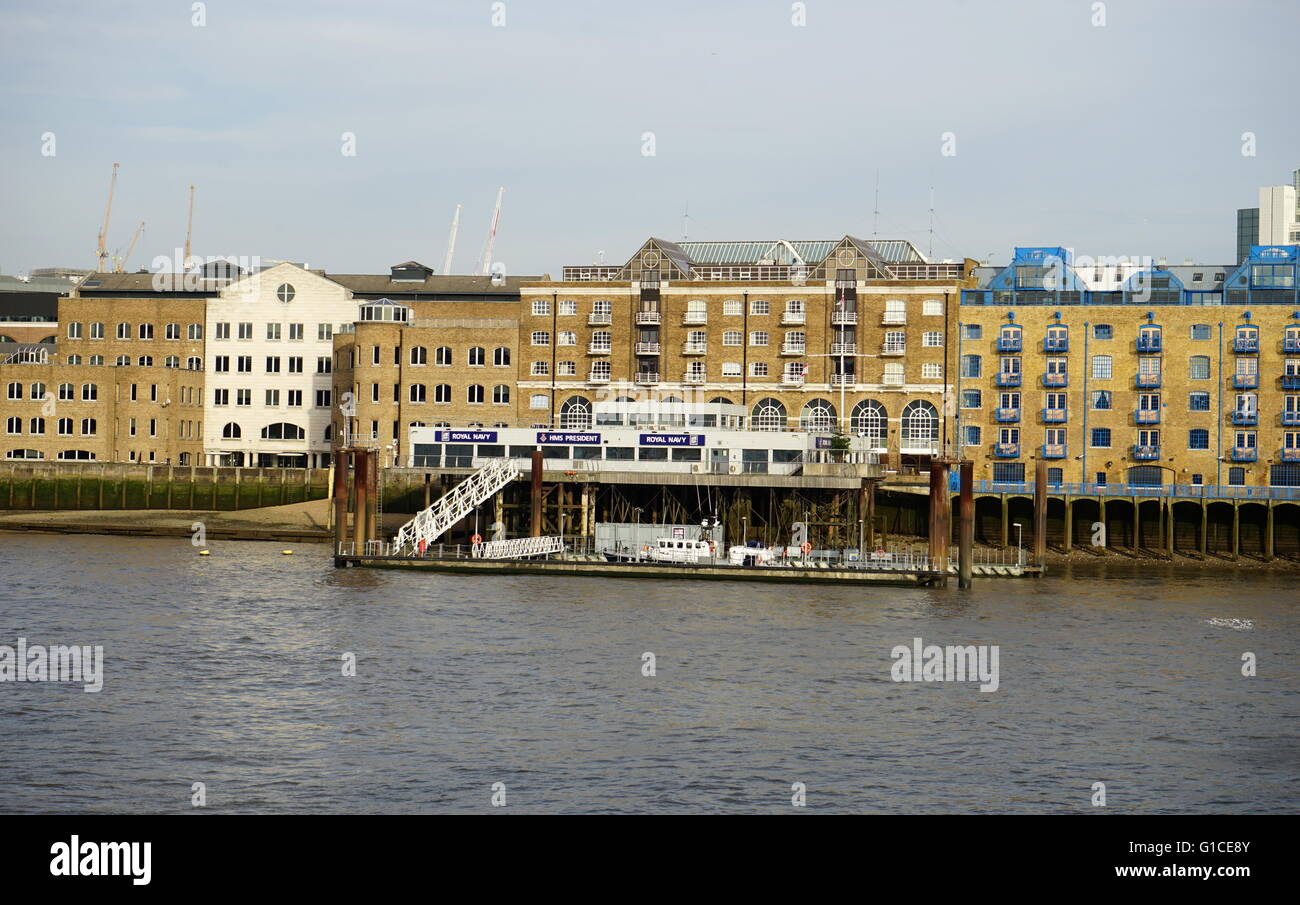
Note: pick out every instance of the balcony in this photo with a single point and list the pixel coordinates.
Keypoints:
(892, 380)
(647, 377)
(1006, 450)
(1007, 416)
(850, 319)
(844, 348)
(647, 348)
(1148, 343)
(1146, 416)
(1291, 344)
(1291, 419)
(599, 348)
(1148, 381)
(1007, 379)
(1055, 416)
(1056, 380)
(1291, 381)
(1290, 455)
(793, 349)
(894, 317)
(1245, 346)
(694, 377)
(843, 380)
(689, 348)
(695, 317)
(648, 318)
(893, 349)
(1053, 451)
(1245, 419)
(1244, 454)
(599, 319)
(794, 317)
(1146, 453)
(598, 377)
(1009, 344)
(1056, 344)
(792, 380)
(1246, 381)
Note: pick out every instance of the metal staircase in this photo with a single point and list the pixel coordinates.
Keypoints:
(453, 506)
(518, 548)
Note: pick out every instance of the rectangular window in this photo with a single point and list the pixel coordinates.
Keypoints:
(541, 307)
(971, 366)
(1101, 367)
(295, 332)
(1198, 402)
(932, 308)
(731, 369)
(732, 308)
(541, 338)
(758, 369)
(931, 371)
(1102, 331)
(323, 399)
(223, 331)
(246, 331)
(1101, 400)
(733, 338)
(273, 332)
(971, 399)
(972, 331)
(568, 308)
(1198, 367)
(295, 398)
(541, 368)
(243, 397)
(758, 338)
(324, 331)
(758, 307)
(272, 397)
(1100, 438)
(932, 339)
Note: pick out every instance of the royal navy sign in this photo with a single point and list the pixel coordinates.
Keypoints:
(467, 436)
(573, 438)
(672, 439)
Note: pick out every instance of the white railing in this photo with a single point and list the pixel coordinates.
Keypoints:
(694, 377)
(598, 318)
(794, 317)
(844, 318)
(594, 377)
(696, 348)
(792, 380)
(648, 318)
(894, 317)
(647, 377)
(844, 348)
(518, 548)
(793, 349)
(599, 349)
(695, 317)
(432, 523)
(647, 348)
(893, 349)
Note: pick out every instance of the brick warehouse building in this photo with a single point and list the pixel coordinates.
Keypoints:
(844, 334)
(1133, 375)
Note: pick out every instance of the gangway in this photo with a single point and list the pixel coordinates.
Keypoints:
(451, 507)
(518, 548)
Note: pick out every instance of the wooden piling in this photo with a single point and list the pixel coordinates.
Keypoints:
(1040, 511)
(966, 528)
(536, 493)
(340, 497)
(940, 518)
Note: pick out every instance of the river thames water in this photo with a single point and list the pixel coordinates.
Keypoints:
(228, 670)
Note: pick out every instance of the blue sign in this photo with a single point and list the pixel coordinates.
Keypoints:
(823, 442)
(467, 436)
(672, 439)
(569, 437)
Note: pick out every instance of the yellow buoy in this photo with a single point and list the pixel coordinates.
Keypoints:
(204, 553)
(287, 552)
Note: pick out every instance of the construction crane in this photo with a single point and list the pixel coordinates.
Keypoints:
(451, 241)
(121, 262)
(492, 233)
(103, 232)
(189, 229)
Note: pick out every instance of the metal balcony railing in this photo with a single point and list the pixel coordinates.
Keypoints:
(648, 318)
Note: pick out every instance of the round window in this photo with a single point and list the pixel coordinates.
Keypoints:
(285, 292)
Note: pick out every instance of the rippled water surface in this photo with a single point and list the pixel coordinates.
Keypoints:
(226, 670)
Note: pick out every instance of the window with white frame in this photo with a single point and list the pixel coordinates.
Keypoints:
(931, 371)
(758, 369)
(541, 338)
(567, 338)
(731, 369)
(732, 308)
(759, 307)
(566, 368)
(568, 308)
(539, 401)
(932, 308)
(541, 307)
(733, 338)
(931, 339)
(541, 369)
(758, 338)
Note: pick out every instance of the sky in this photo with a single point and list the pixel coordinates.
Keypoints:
(1029, 123)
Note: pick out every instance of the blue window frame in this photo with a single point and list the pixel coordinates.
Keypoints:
(971, 399)
(1009, 472)
(1198, 402)
(1236, 476)
(1103, 331)
(970, 366)
(971, 434)
(1198, 438)
(1100, 437)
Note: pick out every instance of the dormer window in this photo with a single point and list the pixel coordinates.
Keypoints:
(410, 272)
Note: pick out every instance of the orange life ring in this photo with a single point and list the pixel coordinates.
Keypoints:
(806, 547)
(711, 548)
(476, 539)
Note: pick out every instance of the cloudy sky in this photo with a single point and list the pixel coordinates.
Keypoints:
(1118, 139)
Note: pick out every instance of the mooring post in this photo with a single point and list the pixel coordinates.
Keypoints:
(428, 489)
(1040, 511)
(340, 499)
(372, 485)
(871, 516)
(966, 528)
(360, 499)
(537, 493)
(940, 519)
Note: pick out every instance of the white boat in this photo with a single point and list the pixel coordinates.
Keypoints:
(750, 556)
(692, 552)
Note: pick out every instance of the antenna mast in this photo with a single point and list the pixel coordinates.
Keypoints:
(189, 229)
(103, 232)
(930, 253)
(875, 216)
(451, 241)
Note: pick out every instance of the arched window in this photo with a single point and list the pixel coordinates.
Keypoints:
(442, 356)
(477, 356)
(501, 394)
(329, 433)
(283, 430)
(418, 392)
(920, 425)
(869, 420)
(817, 415)
(419, 355)
(231, 431)
(720, 400)
(474, 394)
(501, 356)
(575, 413)
(442, 393)
(768, 415)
